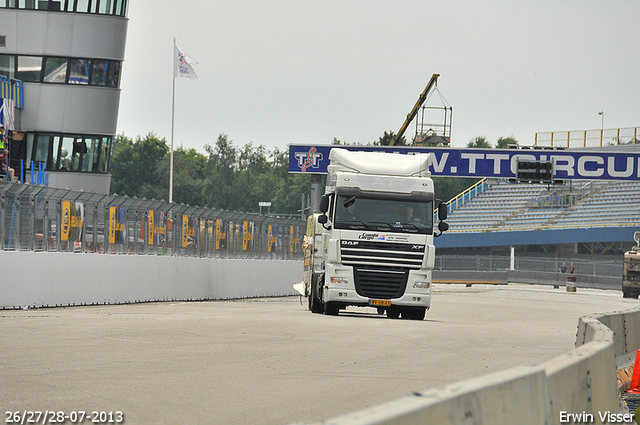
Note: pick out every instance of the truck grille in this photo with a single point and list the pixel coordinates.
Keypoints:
(633, 276)
(385, 254)
(380, 284)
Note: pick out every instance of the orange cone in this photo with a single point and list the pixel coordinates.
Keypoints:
(634, 388)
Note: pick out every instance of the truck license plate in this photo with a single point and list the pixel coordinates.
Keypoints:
(380, 303)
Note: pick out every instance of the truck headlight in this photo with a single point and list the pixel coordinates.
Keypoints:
(422, 285)
(342, 280)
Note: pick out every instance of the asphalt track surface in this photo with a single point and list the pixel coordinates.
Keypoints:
(270, 361)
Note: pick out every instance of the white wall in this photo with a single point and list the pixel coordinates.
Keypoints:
(59, 279)
(42, 33)
(70, 108)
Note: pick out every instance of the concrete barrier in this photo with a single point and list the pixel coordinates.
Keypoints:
(61, 279)
(585, 380)
(490, 399)
(577, 387)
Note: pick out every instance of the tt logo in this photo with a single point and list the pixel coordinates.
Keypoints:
(309, 159)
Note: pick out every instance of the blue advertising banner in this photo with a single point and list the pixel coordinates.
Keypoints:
(490, 163)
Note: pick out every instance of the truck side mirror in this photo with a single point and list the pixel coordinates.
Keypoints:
(322, 219)
(443, 227)
(442, 211)
(324, 204)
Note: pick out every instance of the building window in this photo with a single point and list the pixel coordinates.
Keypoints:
(99, 73)
(43, 150)
(113, 74)
(55, 70)
(105, 73)
(83, 6)
(78, 153)
(8, 66)
(105, 7)
(29, 68)
(105, 155)
(96, 72)
(79, 72)
(90, 157)
(119, 7)
(67, 161)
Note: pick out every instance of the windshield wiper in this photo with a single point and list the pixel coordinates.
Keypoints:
(352, 224)
(378, 224)
(410, 227)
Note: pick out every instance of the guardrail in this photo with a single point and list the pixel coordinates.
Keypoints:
(39, 218)
(576, 387)
(624, 223)
(589, 138)
(467, 195)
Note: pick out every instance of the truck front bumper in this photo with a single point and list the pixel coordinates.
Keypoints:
(341, 290)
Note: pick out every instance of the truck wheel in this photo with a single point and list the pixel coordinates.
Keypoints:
(315, 303)
(393, 312)
(331, 309)
(413, 313)
(418, 314)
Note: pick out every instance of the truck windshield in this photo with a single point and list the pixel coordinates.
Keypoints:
(383, 214)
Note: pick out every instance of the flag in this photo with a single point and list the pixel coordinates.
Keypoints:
(7, 113)
(182, 64)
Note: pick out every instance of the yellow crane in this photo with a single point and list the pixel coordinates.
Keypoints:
(433, 82)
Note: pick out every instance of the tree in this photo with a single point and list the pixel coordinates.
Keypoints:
(504, 142)
(254, 178)
(387, 137)
(188, 176)
(220, 174)
(290, 187)
(134, 167)
(479, 142)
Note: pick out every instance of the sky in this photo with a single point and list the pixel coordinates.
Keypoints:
(282, 72)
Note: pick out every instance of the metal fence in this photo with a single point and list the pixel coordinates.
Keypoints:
(589, 138)
(585, 265)
(39, 218)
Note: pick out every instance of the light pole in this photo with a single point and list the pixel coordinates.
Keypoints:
(601, 113)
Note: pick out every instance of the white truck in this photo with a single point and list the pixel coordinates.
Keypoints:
(372, 243)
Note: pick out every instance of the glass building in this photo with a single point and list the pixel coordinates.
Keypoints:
(68, 54)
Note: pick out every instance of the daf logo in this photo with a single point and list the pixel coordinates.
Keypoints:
(350, 242)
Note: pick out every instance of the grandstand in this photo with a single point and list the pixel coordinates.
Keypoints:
(509, 206)
(506, 214)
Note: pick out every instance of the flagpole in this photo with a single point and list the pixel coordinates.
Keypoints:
(173, 103)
